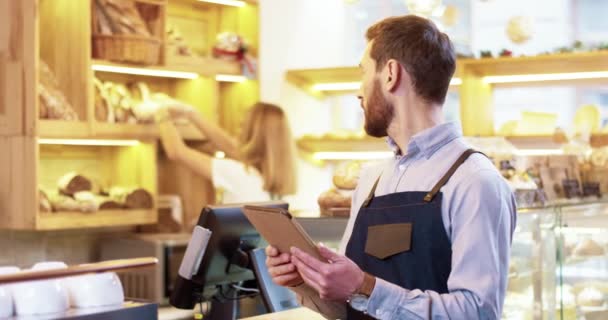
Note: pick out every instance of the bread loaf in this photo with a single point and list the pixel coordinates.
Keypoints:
(335, 199)
(44, 203)
(588, 247)
(346, 175)
(72, 182)
(133, 198)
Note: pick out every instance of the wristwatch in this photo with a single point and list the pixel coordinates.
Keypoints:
(360, 299)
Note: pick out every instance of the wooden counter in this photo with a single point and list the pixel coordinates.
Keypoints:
(293, 314)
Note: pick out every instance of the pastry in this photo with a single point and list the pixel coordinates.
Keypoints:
(44, 203)
(72, 182)
(588, 247)
(347, 175)
(590, 297)
(133, 198)
(334, 198)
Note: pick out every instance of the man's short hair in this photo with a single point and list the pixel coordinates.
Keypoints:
(426, 53)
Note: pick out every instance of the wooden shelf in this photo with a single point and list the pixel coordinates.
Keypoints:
(538, 142)
(306, 78)
(102, 218)
(203, 66)
(554, 63)
(342, 144)
(140, 131)
(59, 129)
(98, 130)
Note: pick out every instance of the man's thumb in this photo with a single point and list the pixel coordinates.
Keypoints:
(327, 253)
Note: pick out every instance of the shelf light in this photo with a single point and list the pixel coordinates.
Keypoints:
(546, 77)
(230, 78)
(352, 86)
(90, 142)
(233, 3)
(145, 71)
(538, 152)
(351, 155)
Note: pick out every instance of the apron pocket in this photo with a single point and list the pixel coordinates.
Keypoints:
(386, 240)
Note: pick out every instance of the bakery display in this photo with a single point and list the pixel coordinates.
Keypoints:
(127, 31)
(132, 198)
(590, 297)
(44, 203)
(346, 175)
(76, 192)
(130, 103)
(53, 103)
(337, 200)
(334, 198)
(588, 247)
(119, 17)
(72, 182)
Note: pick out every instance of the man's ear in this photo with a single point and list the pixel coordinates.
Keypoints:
(393, 75)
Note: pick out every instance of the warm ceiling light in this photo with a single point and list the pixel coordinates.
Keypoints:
(351, 86)
(89, 142)
(145, 71)
(230, 78)
(546, 77)
(351, 155)
(234, 3)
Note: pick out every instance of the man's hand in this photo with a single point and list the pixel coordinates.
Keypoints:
(336, 280)
(282, 271)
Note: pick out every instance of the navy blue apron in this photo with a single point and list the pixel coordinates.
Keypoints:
(415, 219)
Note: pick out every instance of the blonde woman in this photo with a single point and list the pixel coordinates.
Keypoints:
(259, 166)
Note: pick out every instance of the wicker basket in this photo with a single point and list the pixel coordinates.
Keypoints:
(127, 48)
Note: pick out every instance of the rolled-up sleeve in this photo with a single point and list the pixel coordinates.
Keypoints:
(482, 211)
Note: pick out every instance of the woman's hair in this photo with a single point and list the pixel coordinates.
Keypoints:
(267, 145)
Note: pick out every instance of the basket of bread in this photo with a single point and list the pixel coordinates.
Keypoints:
(121, 34)
(336, 202)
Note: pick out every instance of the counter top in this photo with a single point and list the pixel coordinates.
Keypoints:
(293, 314)
(128, 310)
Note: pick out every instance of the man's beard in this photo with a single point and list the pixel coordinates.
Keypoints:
(378, 113)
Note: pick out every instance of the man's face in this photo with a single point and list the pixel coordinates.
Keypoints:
(377, 109)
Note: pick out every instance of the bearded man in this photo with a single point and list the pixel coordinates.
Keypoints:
(430, 230)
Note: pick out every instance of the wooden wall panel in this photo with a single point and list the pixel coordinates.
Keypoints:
(18, 191)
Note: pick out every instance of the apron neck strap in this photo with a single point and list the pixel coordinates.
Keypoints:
(370, 196)
(463, 157)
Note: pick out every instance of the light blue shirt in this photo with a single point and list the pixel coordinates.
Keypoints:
(479, 216)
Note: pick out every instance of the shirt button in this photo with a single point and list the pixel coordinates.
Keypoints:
(401, 167)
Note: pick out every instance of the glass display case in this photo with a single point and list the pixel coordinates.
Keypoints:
(532, 281)
(582, 261)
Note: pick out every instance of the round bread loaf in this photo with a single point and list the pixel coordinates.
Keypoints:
(346, 175)
(335, 199)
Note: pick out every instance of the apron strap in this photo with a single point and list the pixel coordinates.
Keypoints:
(370, 196)
(463, 157)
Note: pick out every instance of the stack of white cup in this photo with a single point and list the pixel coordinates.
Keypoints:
(58, 295)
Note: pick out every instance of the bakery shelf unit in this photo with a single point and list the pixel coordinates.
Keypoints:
(58, 33)
(475, 80)
(319, 149)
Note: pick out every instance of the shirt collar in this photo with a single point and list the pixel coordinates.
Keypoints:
(428, 141)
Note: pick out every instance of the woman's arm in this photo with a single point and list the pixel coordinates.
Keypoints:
(216, 135)
(177, 150)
